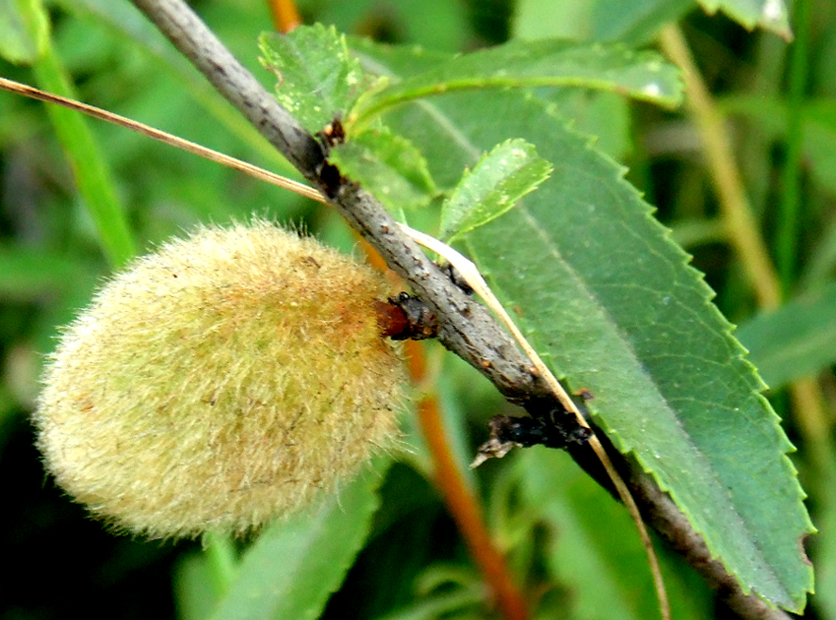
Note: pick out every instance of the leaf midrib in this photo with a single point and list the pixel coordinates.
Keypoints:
(628, 346)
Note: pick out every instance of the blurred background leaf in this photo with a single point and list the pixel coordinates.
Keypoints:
(798, 340)
(314, 549)
(24, 30)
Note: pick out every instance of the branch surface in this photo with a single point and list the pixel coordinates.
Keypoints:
(466, 328)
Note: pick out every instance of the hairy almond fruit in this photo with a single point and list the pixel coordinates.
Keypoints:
(220, 382)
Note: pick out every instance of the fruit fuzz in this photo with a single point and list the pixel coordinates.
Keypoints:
(219, 382)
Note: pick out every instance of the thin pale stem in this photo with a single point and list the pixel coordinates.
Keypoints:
(741, 226)
(192, 147)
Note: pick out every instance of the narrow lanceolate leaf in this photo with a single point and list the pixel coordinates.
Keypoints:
(317, 78)
(501, 178)
(767, 14)
(797, 340)
(24, 30)
(389, 166)
(611, 303)
(296, 564)
(642, 75)
(91, 171)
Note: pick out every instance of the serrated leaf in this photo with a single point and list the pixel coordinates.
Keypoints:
(318, 78)
(294, 566)
(606, 116)
(501, 178)
(24, 30)
(770, 15)
(797, 340)
(387, 165)
(610, 302)
(642, 75)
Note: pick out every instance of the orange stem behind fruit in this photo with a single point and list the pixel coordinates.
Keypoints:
(461, 503)
(285, 15)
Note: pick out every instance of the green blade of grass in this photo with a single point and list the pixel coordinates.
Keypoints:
(90, 169)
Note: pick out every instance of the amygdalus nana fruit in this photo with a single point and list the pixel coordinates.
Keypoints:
(220, 382)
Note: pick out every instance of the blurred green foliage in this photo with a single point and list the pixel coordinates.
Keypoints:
(413, 565)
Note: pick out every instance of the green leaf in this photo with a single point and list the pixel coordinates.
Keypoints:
(563, 19)
(31, 273)
(797, 340)
(444, 591)
(592, 548)
(24, 30)
(610, 301)
(318, 79)
(825, 557)
(635, 22)
(770, 15)
(607, 116)
(195, 596)
(90, 169)
(294, 566)
(387, 165)
(201, 580)
(501, 178)
(822, 259)
(818, 123)
(126, 23)
(642, 75)
(443, 605)
(612, 305)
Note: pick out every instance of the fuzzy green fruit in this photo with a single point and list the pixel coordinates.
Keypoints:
(220, 382)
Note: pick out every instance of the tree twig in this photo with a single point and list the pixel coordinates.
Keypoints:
(462, 504)
(466, 328)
